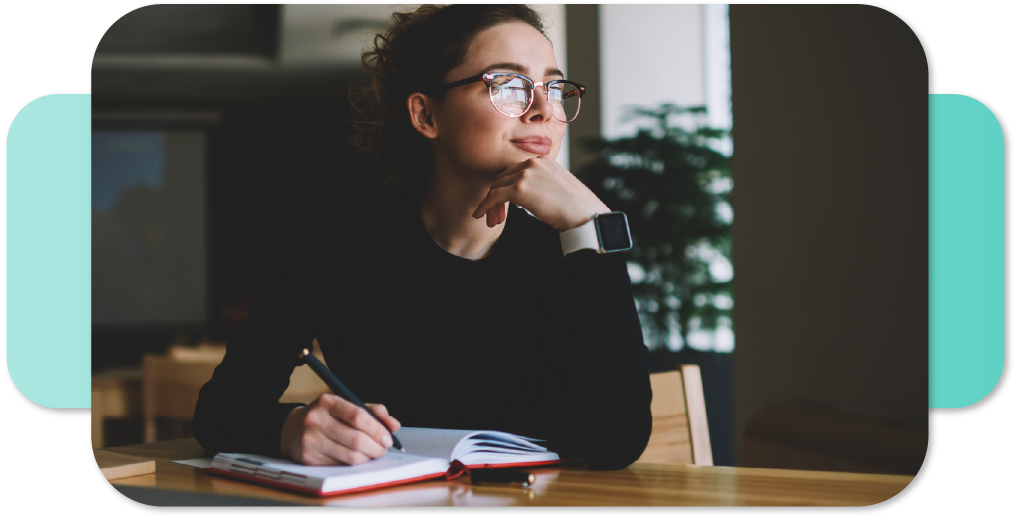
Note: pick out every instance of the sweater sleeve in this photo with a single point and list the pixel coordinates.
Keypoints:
(605, 391)
(238, 410)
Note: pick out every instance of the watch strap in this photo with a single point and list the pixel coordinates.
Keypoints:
(582, 237)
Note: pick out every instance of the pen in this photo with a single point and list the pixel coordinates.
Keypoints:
(494, 476)
(338, 388)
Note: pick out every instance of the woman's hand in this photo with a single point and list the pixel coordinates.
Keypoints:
(332, 431)
(546, 189)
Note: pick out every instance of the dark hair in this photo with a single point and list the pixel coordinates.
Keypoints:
(416, 53)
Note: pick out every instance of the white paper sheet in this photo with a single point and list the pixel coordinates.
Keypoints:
(197, 463)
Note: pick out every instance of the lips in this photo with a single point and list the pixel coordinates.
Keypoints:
(537, 144)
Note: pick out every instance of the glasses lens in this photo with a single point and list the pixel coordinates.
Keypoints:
(511, 95)
(565, 99)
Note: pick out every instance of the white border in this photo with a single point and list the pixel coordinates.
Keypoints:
(48, 470)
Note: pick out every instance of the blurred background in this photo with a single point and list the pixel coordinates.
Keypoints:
(213, 124)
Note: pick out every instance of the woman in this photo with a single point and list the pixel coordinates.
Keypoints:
(437, 294)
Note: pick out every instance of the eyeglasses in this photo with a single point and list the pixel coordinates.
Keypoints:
(512, 94)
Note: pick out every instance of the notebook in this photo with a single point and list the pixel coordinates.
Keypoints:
(430, 453)
(118, 465)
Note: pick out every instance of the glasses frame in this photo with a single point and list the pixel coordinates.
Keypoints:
(489, 77)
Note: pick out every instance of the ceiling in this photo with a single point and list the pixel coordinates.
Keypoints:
(208, 51)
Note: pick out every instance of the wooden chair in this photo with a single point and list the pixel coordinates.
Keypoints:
(171, 382)
(98, 415)
(680, 432)
(116, 394)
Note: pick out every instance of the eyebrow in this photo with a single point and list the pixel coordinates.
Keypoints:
(515, 67)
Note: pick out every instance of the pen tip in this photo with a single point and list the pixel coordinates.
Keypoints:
(305, 353)
(402, 450)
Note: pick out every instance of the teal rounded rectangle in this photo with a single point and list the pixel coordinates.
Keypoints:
(49, 251)
(966, 257)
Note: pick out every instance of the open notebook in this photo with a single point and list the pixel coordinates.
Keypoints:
(429, 454)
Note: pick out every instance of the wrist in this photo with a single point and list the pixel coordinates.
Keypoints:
(585, 217)
(603, 233)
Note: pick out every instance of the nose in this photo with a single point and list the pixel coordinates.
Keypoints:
(541, 109)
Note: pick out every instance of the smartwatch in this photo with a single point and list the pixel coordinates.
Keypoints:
(604, 233)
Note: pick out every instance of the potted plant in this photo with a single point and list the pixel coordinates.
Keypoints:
(676, 189)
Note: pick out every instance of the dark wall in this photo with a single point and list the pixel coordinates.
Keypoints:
(583, 48)
(274, 138)
(239, 29)
(267, 162)
(831, 211)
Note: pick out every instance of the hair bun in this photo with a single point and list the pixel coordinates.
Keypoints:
(420, 48)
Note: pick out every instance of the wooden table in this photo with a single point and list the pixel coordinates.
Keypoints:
(570, 484)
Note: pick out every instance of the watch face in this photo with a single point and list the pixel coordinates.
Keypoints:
(613, 229)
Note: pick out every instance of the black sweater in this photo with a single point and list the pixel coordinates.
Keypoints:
(524, 341)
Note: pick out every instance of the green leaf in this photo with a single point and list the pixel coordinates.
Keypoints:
(663, 179)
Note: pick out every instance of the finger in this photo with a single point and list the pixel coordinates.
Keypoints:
(343, 455)
(372, 427)
(507, 180)
(341, 438)
(515, 168)
(319, 453)
(358, 418)
(379, 410)
(494, 197)
(496, 215)
(359, 442)
(315, 447)
(315, 457)
(492, 217)
(392, 423)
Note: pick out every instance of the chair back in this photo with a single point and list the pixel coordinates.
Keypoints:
(680, 432)
(171, 382)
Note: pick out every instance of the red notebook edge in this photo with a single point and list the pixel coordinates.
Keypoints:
(318, 493)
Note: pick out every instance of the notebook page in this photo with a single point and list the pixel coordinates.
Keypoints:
(390, 467)
(481, 457)
(431, 442)
(482, 442)
(523, 442)
(474, 444)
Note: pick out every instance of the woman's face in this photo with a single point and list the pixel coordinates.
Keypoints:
(473, 137)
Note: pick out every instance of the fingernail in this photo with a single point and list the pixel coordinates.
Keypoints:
(387, 441)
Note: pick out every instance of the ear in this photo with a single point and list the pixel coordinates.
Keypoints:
(422, 111)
